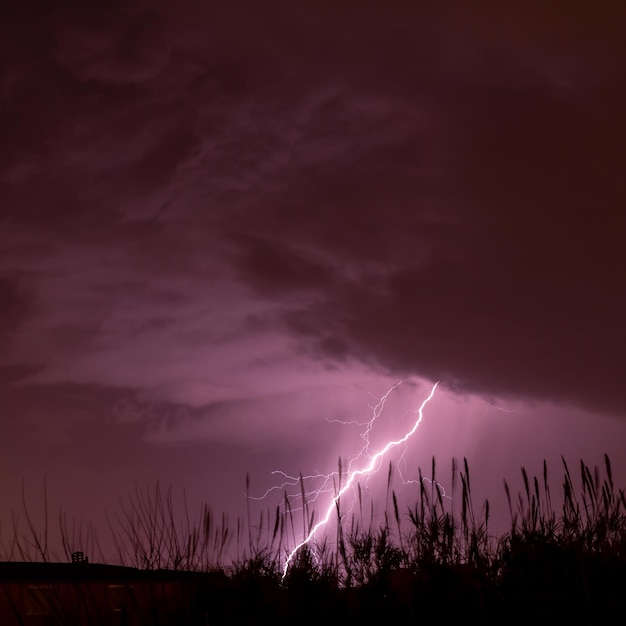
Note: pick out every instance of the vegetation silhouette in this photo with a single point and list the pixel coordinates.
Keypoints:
(565, 562)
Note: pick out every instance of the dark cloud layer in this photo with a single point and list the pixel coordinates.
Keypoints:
(430, 190)
(483, 242)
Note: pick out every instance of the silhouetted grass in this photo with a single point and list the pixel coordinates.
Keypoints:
(436, 559)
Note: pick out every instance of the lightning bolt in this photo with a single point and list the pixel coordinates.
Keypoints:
(406, 481)
(501, 408)
(292, 481)
(326, 480)
(369, 469)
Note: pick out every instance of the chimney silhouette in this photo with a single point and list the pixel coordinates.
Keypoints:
(79, 557)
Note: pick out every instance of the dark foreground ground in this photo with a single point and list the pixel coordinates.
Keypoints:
(542, 586)
(552, 567)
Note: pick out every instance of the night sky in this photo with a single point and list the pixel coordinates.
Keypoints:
(225, 227)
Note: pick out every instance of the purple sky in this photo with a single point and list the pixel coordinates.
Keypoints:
(224, 225)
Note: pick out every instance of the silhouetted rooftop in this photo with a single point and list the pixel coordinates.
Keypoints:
(23, 571)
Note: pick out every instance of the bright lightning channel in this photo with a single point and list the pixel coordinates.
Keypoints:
(365, 471)
(327, 480)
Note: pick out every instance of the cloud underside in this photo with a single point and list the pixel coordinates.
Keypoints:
(204, 196)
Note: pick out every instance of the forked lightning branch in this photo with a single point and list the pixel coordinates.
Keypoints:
(371, 464)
